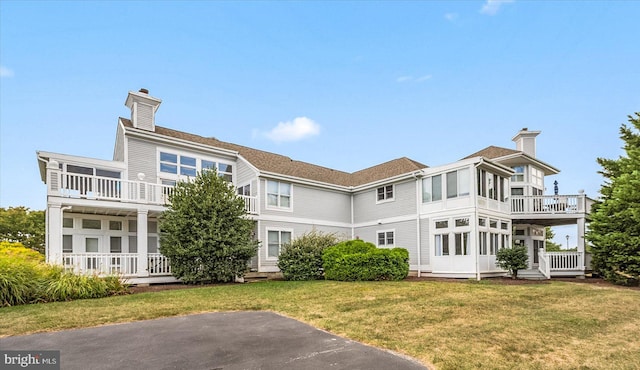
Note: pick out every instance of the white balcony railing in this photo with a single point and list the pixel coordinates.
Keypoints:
(121, 264)
(548, 204)
(548, 262)
(72, 185)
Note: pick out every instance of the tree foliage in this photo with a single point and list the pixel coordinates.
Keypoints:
(550, 245)
(512, 259)
(614, 230)
(302, 258)
(205, 231)
(22, 225)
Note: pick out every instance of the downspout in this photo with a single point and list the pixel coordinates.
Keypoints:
(353, 230)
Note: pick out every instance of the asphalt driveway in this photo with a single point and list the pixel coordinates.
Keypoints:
(232, 340)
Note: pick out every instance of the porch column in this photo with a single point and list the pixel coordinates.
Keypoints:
(143, 248)
(581, 241)
(54, 234)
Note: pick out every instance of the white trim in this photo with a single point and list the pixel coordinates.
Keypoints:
(388, 220)
(305, 221)
(280, 230)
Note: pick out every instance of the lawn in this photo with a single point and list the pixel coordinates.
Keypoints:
(447, 325)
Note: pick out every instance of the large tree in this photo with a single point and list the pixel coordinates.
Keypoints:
(22, 225)
(205, 231)
(614, 230)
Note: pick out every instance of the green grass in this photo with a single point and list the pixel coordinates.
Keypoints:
(446, 325)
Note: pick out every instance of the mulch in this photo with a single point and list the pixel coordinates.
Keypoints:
(498, 280)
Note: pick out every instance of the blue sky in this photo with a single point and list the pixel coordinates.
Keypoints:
(349, 84)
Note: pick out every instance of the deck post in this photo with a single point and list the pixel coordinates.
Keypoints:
(581, 241)
(54, 232)
(143, 247)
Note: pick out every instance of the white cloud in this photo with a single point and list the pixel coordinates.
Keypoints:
(298, 129)
(5, 72)
(403, 79)
(491, 7)
(451, 16)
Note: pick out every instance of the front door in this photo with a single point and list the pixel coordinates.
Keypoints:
(537, 244)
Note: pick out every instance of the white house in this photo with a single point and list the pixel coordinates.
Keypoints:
(102, 214)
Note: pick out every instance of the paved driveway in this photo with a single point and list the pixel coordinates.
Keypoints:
(234, 340)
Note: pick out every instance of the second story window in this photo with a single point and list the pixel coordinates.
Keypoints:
(278, 194)
(518, 176)
(432, 189)
(458, 183)
(385, 193)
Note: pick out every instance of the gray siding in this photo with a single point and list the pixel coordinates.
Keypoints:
(245, 174)
(298, 230)
(144, 119)
(404, 203)
(313, 203)
(142, 159)
(405, 236)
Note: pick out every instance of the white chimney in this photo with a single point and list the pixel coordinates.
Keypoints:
(143, 109)
(526, 141)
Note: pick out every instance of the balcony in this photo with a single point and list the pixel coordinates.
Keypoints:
(72, 185)
(550, 204)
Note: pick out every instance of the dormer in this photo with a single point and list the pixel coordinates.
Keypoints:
(143, 109)
(526, 141)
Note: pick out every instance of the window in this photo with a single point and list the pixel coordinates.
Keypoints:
(115, 225)
(482, 222)
(276, 238)
(107, 173)
(152, 244)
(504, 226)
(244, 190)
(225, 171)
(133, 244)
(493, 186)
(133, 225)
(208, 165)
(67, 243)
(517, 191)
(152, 227)
(482, 182)
(537, 177)
(80, 170)
(518, 176)
(67, 222)
(442, 224)
(442, 245)
(452, 184)
(504, 189)
(91, 245)
(458, 183)
(278, 194)
(115, 244)
(462, 222)
(505, 241)
(386, 238)
(432, 189)
(385, 193)
(482, 242)
(91, 224)
(188, 166)
(520, 232)
(493, 243)
(168, 163)
(493, 224)
(462, 244)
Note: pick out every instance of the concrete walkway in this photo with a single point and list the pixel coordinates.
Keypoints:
(234, 340)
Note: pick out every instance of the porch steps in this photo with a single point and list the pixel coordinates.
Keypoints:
(533, 274)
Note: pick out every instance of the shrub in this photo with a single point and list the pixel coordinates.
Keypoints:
(512, 259)
(25, 278)
(359, 260)
(302, 258)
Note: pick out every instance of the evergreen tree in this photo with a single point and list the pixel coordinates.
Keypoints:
(614, 230)
(205, 231)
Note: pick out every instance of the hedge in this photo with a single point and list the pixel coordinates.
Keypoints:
(359, 260)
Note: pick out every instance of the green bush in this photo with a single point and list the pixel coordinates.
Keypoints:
(359, 260)
(302, 258)
(25, 278)
(512, 259)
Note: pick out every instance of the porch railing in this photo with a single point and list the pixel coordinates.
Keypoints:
(549, 262)
(548, 204)
(121, 264)
(73, 185)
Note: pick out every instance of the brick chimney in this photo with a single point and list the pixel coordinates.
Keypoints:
(526, 141)
(143, 109)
